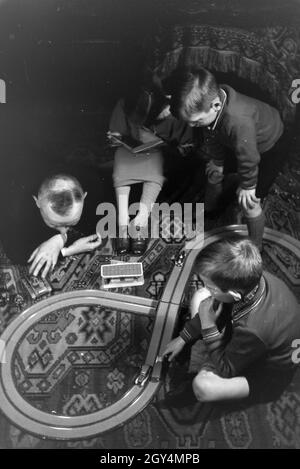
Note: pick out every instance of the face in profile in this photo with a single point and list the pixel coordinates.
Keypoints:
(216, 292)
(202, 119)
(205, 118)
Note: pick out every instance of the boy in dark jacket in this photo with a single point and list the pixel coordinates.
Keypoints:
(249, 127)
(250, 321)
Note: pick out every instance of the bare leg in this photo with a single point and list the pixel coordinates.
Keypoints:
(150, 193)
(122, 195)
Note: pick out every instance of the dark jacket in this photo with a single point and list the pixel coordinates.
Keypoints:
(247, 126)
(262, 328)
(24, 229)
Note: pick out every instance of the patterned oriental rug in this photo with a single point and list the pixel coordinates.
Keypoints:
(56, 369)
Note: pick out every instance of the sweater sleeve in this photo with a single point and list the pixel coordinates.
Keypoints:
(243, 137)
(231, 359)
(212, 149)
(192, 330)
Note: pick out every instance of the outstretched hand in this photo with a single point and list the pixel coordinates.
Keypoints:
(86, 244)
(45, 256)
(247, 198)
(173, 348)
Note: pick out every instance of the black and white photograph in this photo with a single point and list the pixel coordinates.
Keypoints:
(149, 227)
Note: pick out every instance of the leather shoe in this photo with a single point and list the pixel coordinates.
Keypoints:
(138, 243)
(182, 396)
(123, 242)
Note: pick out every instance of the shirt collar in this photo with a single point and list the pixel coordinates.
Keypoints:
(224, 99)
(249, 301)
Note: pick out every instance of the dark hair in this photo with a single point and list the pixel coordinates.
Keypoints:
(233, 263)
(137, 105)
(196, 89)
(145, 102)
(61, 200)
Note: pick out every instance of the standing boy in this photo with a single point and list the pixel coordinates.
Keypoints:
(250, 128)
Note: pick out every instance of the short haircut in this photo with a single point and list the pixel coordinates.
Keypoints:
(61, 191)
(233, 263)
(196, 89)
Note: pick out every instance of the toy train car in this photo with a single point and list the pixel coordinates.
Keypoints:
(123, 274)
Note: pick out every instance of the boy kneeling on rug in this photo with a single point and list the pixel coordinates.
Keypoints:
(248, 324)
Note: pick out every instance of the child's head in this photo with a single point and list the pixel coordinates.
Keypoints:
(144, 103)
(60, 201)
(137, 105)
(197, 99)
(230, 268)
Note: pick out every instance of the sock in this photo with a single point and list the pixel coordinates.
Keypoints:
(122, 194)
(256, 229)
(149, 196)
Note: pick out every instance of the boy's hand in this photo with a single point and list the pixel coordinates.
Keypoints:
(208, 316)
(112, 142)
(247, 198)
(197, 298)
(46, 255)
(212, 168)
(166, 112)
(185, 148)
(173, 348)
(86, 244)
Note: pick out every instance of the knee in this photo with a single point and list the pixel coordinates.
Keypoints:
(203, 387)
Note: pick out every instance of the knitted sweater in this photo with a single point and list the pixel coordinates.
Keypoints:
(247, 126)
(263, 327)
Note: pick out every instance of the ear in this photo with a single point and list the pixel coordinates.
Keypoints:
(216, 105)
(36, 201)
(235, 295)
(84, 195)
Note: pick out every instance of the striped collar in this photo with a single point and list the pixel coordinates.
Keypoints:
(220, 112)
(250, 301)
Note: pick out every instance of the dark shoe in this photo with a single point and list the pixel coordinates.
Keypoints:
(123, 242)
(182, 396)
(138, 243)
(122, 245)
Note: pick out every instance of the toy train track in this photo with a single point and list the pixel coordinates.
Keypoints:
(147, 382)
